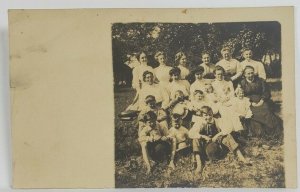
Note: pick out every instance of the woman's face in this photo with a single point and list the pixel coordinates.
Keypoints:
(206, 59)
(226, 55)
(175, 77)
(161, 59)
(247, 55)
(182, 61)
(143, 58)
(149, 79)
(198, 76)
(219, 75)
(249, 74)
(199, 97)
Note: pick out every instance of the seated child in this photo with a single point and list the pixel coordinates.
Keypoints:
(153, 141)
(160, 113)
(212, 131)
(179, 105)
(241, 106)
(195, 105)
(179, 136)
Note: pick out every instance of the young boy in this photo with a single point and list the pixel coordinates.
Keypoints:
(151, 105)
(179, 136)
(153, 140)
(210, 131)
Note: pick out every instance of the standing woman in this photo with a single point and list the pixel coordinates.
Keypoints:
(232, 67)
(208, 67)
(258, 67)
(162, 71)
(263, 121)
(181, 63)
(138, 71)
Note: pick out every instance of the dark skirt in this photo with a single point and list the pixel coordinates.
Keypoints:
(264, 121)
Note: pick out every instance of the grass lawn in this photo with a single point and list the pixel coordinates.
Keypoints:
(265, 153)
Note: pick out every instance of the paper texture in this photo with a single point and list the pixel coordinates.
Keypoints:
(62, 98)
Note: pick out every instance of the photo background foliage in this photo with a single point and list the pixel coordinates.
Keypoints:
(128, 39)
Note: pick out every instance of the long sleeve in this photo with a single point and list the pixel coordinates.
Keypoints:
(265, 90)
(261, 70)
(238, 71)
(135, 78)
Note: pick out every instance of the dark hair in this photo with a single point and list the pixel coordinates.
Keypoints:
(174, 70)
(176, 116)
(198, 69)
(248, 67)
(149, 98)
(219, 68)
(198, 91)
(139, 54)
(206, 110)
(205, 53)
(178, 57)
(146, 73)
(149, 116)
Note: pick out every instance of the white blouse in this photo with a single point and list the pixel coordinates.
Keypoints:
(184, 71)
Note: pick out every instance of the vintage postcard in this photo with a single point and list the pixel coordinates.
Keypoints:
(152, 98)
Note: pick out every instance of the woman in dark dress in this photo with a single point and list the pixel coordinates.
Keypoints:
(263, 121)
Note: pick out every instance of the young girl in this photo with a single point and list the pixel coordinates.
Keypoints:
(153, 141)
(179, 136)
(199, 83)
(181, 63)
(195, 105)
(162, 71)
(241, 106)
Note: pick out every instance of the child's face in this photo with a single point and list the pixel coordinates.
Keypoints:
(151, 123)
(240, 94)
(199, 97)
(175, 77)
(198, 75)
(182, 60)
(219, 75)
(206, 58)
(179, 95)
(151, 104)
(209, 89)
(207, 117)
(176, 123)
(247, 54)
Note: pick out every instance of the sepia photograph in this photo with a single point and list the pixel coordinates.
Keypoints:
(198, 105)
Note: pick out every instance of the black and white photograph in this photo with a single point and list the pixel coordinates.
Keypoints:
(198, 105)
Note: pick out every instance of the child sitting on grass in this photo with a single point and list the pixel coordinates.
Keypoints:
(153, 141)
(179, 136)
(161, 114)
(210, 137)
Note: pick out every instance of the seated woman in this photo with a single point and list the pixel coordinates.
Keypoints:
(263, 121)
(224, 92)
(149, 87)
(153, 141)
(177, 84)
(199, 83)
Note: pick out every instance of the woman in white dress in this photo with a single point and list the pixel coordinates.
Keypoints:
(177, 84)
(162, 71)
(259, 68)
(181, 63)
(138, 71)
(232, 67)
(199, 83)
(225, 93)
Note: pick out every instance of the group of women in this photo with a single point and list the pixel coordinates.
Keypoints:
(219, 83)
